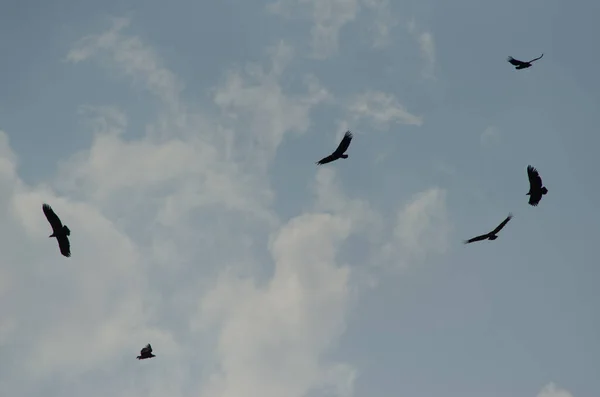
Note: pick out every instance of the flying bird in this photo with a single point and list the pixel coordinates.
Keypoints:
(146, 352)
(491, 235)
(339, 152)
(520, 64)
(60, 231)
(536, 188)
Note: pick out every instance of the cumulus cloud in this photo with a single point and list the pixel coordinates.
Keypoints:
(176, 242)
(272, 336)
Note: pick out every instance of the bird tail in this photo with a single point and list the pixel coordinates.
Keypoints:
(544, 190)
(66, 230)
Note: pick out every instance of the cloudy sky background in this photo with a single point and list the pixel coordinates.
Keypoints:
(177, 140)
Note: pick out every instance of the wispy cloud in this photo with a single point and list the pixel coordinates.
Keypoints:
(381, 108)
(490, 136)
(383, 21)
(551, 390)
(328, 17)
(427, 47)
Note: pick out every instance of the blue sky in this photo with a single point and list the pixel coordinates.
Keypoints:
(178, 140)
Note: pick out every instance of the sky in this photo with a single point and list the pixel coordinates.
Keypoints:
(178, 141)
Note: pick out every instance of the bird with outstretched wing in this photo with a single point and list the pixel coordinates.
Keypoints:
(520, 64)
(491, 235)
(339, 152)
(60, 231)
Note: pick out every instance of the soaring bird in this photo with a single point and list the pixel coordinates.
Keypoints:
(339, 152)
(536, 188)
(60, 231)
(146, 352)
(491, 235)
(520, 64)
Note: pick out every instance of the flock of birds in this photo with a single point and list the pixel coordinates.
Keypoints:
(536, 190)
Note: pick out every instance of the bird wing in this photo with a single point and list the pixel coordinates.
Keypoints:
(478, 238)
(149, 348)
(343, 146)
(504, 222)
(53, 219)
(64, 245)
(533, 60)
(328, 159)
(535, 181)
(534, 199)
(515, 62)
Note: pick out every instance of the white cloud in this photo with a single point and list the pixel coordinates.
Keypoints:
(490, 136)
(331, 198)
(171, 236)
(258, 101)
(426, 46)
(328, 16)
(383, 22)
(551, 390)
(131, 57)
(272, 337)
(382, 108)
(422, 228)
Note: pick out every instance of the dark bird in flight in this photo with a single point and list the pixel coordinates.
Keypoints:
(339, 152)
(520, 64)
(146, 352)
(536, 188)
(60, 231)
(491, 235)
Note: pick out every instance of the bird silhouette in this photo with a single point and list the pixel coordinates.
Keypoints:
(536, 187)
(493, 234)
(339, 152)
(60, 231)
(146, 352)
(522, 65)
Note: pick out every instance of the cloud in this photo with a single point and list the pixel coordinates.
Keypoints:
(176, 242)
(272, 337)
(328, 17)
(426, 46)
(422, 228)
(490, 136)
(73, 302)
(258, 101)
(551, 390)
(381, 108)
(383, 23)
(132, 58)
